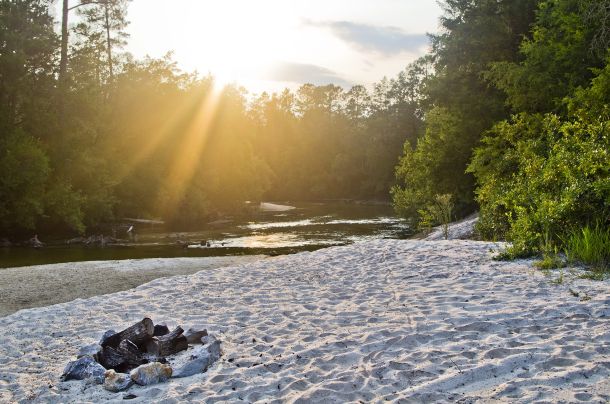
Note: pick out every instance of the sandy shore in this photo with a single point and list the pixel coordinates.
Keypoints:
(42, 285)
(419, 321)
(462, 230)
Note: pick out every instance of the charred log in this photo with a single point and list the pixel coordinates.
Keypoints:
(138, 333)
(168, 344)
(160, 329)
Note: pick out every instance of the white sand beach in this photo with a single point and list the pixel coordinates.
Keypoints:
(41, 285)
(462, 230)
(410, 321)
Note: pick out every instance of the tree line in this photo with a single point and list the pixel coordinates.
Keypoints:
(89, 134)
(516, 121)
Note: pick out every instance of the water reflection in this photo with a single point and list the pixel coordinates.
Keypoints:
(274, 240)
(276, 225)
(307, 227)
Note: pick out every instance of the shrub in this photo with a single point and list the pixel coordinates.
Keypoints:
(437, 213)
(549, 261)
(435, 166)
(541, 175)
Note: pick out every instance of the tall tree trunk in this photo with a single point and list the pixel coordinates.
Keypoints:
(108, 42)
(63, 63)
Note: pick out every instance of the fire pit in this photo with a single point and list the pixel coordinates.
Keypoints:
(144, 354)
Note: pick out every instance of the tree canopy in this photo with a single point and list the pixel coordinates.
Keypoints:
(516, 120)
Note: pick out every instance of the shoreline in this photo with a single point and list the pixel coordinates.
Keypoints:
(385, 320)
(34, 286)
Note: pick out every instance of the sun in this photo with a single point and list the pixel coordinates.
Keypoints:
(235, 44)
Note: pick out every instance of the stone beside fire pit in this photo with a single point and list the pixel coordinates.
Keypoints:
(144, 354)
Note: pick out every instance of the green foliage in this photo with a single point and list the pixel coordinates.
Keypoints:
(545, 174)
(323, 142)
(545, 169)
(550, 255)
(438, 213)
(63, 206)
(593, 276)
(430, 168)
(557, 58)
(549, 261)
(552, 175)
(27, 53)
(459, 103)
(426, 220)
(118, 137)
(25, 170)
(591, 246)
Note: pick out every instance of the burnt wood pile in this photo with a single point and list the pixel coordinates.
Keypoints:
(141, 351)
(141, 343)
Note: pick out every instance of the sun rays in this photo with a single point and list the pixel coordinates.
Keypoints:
(181, 137)
(189, 151)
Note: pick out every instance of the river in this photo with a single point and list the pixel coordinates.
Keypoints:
(307, 227)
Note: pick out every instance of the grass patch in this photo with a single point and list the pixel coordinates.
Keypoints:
(550, 261)
(593, 275)
(512, 253)
(590, 246)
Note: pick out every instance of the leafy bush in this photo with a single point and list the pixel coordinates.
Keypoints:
(438, 213)
(435, 166)
(542, 174)
(549, 262)
(553, 176)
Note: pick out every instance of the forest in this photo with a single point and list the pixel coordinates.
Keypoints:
(516, 117)
(508, 115)
(89, 134)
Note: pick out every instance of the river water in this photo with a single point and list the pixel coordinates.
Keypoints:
(307, 227)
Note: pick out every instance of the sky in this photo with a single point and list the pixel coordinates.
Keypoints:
(266, 45)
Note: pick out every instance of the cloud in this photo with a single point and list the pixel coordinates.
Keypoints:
(305, 73)
(369, 38)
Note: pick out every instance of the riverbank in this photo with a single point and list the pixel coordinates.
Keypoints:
(43, 285)
(386, 319)
(308, 227)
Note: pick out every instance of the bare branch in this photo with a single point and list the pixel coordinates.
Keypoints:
(86, 3)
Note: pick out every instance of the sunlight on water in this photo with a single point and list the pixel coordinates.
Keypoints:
(320, 221)
(276, 225)
(380, 220)
(275, 240)
(309, 226)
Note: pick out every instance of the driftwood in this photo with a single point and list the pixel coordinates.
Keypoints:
(138, 334)
(34, 242)
(96, 240)
(168, 344)
(121, 351)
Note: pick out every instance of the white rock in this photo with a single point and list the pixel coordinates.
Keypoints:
(151, 373)
(116, 382)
